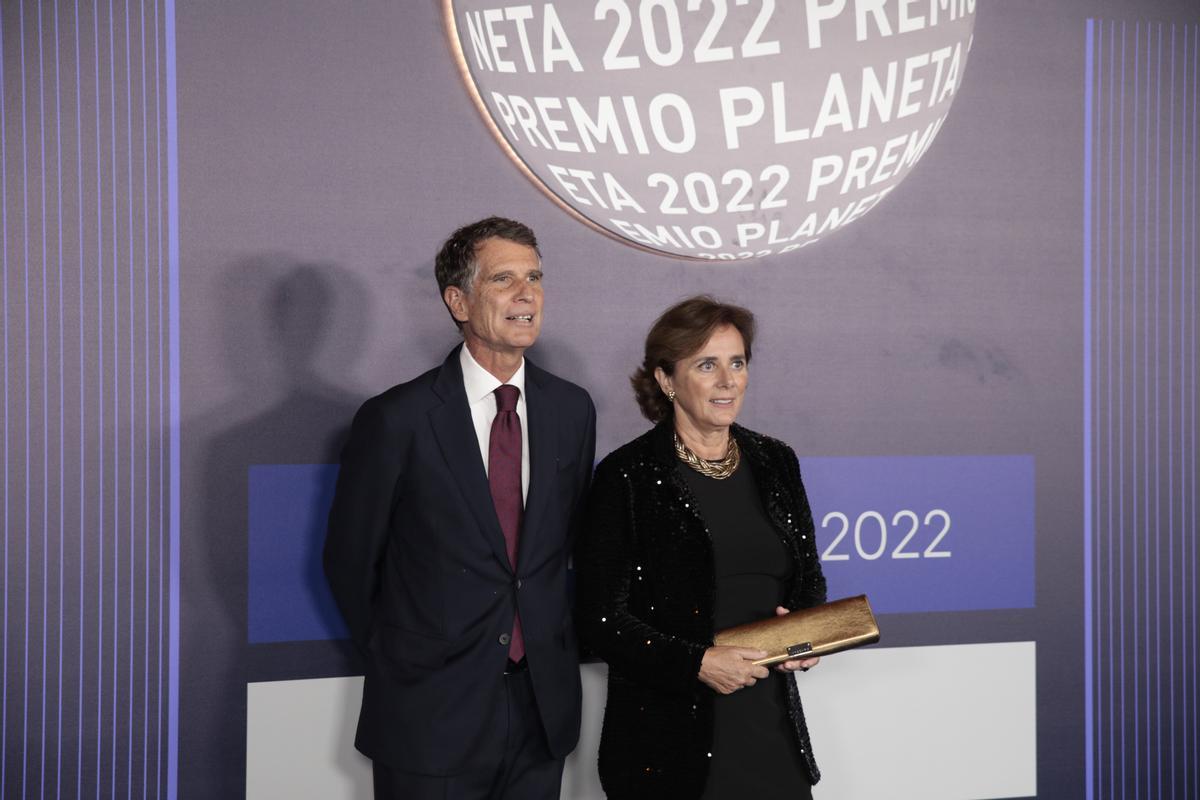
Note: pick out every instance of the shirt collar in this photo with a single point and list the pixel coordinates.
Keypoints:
(479, 383)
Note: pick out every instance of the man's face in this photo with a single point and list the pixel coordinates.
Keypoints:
(503, 312)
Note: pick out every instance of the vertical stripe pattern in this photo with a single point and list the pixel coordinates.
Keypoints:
(1141, 363)
(88, 400)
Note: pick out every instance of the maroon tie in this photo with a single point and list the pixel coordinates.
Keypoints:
(504, 476)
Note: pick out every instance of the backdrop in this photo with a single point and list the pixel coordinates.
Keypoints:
(968, 231)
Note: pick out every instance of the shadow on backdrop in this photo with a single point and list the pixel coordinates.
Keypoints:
(291, 334)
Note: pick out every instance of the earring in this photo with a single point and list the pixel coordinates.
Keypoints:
(671, 396)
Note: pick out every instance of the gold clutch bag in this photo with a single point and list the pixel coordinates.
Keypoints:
(807, 632)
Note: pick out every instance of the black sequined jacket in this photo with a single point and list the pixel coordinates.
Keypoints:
(645, 604)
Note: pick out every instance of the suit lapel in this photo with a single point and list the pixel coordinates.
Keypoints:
(542, 424)
(455, 435)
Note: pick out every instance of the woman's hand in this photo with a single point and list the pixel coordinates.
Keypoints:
(804, 664)
(727, 669)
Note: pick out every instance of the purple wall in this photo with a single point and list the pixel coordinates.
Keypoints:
(1008, 336)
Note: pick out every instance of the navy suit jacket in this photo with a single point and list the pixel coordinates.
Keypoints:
(416, 559)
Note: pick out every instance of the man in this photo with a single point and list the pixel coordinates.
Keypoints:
(448, 543)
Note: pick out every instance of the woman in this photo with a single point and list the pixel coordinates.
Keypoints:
(695, 526)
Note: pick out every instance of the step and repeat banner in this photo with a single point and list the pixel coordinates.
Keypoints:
(968, 233)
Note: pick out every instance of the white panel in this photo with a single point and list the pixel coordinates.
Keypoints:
(580, 779)
(300, 741)
(953, 722)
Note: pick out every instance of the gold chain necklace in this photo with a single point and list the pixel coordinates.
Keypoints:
(720, 469)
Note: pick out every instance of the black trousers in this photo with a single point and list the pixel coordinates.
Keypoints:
(528, 771)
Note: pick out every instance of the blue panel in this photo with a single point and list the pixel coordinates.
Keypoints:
(289, 599)
(928, 533)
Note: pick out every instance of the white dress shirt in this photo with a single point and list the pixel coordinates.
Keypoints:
(481, 386)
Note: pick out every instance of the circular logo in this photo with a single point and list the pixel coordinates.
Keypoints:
(714, 129)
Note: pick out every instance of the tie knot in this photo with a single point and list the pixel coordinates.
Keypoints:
(506, 398)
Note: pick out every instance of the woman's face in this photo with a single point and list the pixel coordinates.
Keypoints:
(710, 383)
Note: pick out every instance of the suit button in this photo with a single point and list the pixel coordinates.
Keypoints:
(505, 638)
(517, 583)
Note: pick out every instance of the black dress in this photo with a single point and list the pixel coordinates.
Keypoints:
(754, 747)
